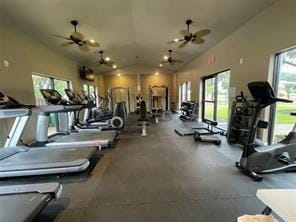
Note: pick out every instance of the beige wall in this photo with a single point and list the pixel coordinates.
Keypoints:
(269, 32)
(151, 80)
(146, 80)
(127, 80)
(25, 56)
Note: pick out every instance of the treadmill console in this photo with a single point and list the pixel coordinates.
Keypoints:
(7, 102)
(73, 97)
(4, 100)
(53, 97)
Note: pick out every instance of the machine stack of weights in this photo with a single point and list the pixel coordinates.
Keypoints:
(239, 125)
(189, 110)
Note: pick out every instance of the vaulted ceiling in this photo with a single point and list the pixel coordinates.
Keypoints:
(131, 32)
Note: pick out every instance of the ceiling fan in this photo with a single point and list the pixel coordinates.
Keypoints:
(170, 59)
(78, 39)
(105, 61)
(196, 38)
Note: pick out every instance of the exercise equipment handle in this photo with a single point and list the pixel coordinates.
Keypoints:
(283, 100)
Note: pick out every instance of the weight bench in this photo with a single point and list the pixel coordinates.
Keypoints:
(143, 118)
(207, 134)
(155, 113)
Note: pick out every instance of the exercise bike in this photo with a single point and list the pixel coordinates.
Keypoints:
(273, 158)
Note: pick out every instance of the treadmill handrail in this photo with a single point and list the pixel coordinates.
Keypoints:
(57, 108)
(283, 100)
(11, 113)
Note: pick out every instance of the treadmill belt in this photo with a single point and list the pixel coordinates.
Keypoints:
(79, 137)
(37, 158)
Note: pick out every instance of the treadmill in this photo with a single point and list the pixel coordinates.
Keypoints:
(91, 123)
(25, 161)
(64, 138)
(20, 203)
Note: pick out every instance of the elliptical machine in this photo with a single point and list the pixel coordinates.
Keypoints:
(276, 157)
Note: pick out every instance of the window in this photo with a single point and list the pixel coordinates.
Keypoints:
(40, 82)
(216, 97)
(60, 86)
(188, 91)
(180, 95)
(46, 82)
(184, 92)
(91, 91)
(285, 87)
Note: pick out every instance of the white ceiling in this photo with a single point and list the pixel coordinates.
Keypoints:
(130, 28)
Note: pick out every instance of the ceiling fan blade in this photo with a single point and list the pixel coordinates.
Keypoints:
(66, 44)
(183, 44)
(202, 33)
(77, 35)
(184, 32)
(84, 48)
(109, 63)
(98, 64)
(164, 62)
(178, 61)
(92, 43)
(175, 40)
(198, 41)
(61, 37)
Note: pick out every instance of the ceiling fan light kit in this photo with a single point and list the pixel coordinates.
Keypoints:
(106, 61)
(187, 36)
(170, 60)
(77, 38)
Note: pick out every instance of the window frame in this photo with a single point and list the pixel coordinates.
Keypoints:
(275, 85)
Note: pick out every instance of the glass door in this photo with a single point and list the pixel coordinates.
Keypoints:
(209, 111)
(285, 87)
(223, 97)
(215, 103)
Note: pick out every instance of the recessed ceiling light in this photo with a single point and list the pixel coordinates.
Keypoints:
(165, 57)
(114, 66)
(107, 58)
(92, 41)
(118, 74)
(160, 65)
(176, 40)
(156, 73)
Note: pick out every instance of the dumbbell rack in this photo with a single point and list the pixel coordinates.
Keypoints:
(240, 121)
(189, 110)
